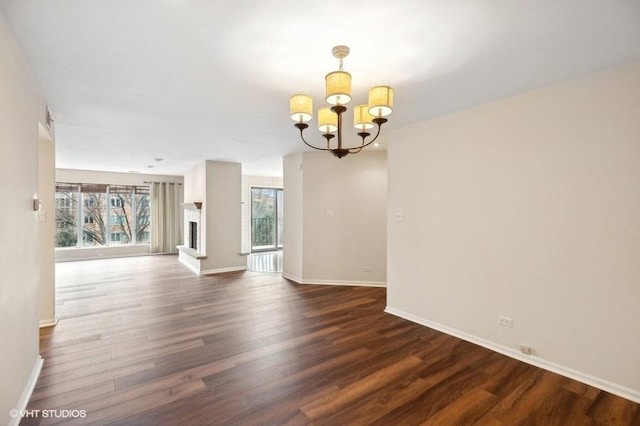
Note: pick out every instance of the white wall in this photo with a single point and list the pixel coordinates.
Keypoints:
(195, 191)
(22, 109)
(93, 176)
(249, 182)
(113, 178)
(529, 208)
(343, 217)
(47, 228)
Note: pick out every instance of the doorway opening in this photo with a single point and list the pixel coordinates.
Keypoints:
(266, 219)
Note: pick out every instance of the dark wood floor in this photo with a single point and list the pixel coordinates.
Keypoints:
(142, 341)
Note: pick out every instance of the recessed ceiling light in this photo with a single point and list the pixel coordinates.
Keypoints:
(159, 159)
(151, 167)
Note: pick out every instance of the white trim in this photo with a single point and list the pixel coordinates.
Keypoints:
(27, 391)
(111, 256)
(191, 252)
(191, 267)
(50, 322)
(291, 278)
(335, 282)
(223, 270)
(605, 385)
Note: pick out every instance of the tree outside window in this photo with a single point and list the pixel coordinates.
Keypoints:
(108, 215)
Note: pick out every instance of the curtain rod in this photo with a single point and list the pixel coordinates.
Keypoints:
(170, 183)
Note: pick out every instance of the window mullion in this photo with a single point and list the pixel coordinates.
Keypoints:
(79, 218)
(108, 213)
(134, 218)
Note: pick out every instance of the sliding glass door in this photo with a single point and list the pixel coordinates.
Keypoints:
(266, 219)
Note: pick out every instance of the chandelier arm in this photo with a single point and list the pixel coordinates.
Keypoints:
(308, 144)
(379, 122)
(357, 149)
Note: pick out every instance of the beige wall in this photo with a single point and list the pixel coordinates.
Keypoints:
(47, 228)
(292, 253)
(223, 210)
(217, 185)
(343, 217)
(529, 208)
(23, 108)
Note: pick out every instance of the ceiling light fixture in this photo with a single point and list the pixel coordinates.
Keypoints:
(338, 94)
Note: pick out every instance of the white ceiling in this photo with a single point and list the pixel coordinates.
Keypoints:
(129, 81)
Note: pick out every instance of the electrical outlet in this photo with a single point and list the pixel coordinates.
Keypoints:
(330, 214)
(505, 321)
(398, 217)
(367, 269)
(526, 349)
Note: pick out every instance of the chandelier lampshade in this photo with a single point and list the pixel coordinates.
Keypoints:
(338, 88)
(327, 120)
(381, 101)
(362, 120)
(301, 108)
(338, 94)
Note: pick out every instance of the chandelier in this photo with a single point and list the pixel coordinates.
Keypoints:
(338, 90)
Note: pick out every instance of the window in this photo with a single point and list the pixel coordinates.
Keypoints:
(101, 214)
(66, 215)
(94, 209)
(266, 218)
(143, 217)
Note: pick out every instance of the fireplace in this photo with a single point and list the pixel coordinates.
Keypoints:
(193, 235)
(192, 228)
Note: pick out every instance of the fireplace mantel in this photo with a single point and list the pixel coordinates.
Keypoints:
(196, 205)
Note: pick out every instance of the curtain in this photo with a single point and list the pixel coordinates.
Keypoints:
(166, 227)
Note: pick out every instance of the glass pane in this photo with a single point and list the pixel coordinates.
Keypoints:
(66, 219)
(263, 204)
(143, 219)
(121, 219)
(94, 228)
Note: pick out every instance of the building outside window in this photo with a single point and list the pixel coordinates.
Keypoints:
(67, 215)
(102, 215)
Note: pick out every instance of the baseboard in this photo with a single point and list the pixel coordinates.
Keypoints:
(49, 322)
(28, 390)
(335, 282)
(605, 385)
(223, 270)
(291, 278)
